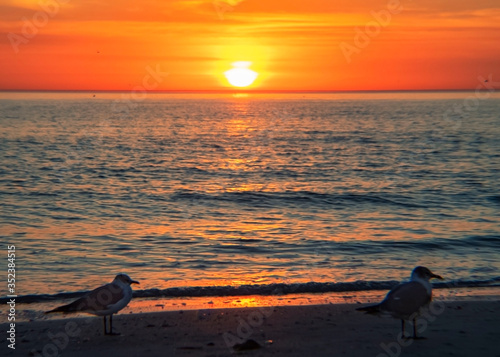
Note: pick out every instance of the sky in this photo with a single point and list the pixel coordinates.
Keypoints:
(296, 45)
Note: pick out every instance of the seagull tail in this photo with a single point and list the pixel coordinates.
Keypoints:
(372, 309)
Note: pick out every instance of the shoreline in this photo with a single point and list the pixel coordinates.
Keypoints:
(458, 328)
(35, 311)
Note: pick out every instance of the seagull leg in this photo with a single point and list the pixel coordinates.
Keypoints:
(403, 328)
(111, 333)
(415, 331)
(105, 327)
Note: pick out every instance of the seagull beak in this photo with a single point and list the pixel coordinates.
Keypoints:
(437, 276)
(134, 282)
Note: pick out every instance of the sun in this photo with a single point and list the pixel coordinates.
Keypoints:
(240, 75)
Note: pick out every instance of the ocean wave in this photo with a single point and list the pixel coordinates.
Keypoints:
(258, 198)
(487, 241)
(261, 289)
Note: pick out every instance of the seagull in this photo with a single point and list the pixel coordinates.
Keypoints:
(103, 301)
(405, 300)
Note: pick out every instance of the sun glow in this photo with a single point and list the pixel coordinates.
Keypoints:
(241, 76)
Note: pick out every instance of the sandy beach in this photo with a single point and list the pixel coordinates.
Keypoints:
(465, 328)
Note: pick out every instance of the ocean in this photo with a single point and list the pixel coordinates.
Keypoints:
(193, 192)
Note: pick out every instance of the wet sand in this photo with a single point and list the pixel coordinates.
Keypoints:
(465, 328)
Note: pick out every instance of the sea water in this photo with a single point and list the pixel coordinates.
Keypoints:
(202, 190)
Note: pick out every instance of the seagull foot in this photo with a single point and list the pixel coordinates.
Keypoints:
(112, 334)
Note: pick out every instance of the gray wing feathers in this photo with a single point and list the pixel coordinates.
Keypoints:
(405, 299)
(96, 300)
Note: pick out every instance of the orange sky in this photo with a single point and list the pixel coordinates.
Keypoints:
(292, 44)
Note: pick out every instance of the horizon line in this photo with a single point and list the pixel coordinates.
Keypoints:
(239, 91)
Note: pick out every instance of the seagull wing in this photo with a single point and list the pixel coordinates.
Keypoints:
(104, 297)
(405, 299)
(97, 300)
